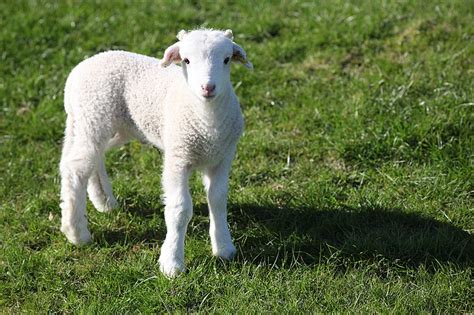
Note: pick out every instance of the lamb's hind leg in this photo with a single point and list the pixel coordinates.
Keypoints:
(77, 162)
(98, 186)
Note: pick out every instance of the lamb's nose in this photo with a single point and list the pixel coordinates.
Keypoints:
(209, 88)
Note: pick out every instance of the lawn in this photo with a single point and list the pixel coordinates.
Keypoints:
(352, 189)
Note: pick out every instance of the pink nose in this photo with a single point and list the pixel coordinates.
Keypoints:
(207, 89)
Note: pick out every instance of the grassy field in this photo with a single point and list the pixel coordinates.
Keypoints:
(352, 190)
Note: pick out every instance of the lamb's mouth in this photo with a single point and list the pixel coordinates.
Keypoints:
(209, 97)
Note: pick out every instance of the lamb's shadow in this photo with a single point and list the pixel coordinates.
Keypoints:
(305, 235)
(282, 236)
(139, 209)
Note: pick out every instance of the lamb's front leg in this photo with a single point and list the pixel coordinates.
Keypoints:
(178, 213)
(216, 183)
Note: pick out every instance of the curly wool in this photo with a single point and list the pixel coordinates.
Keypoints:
(135, 96)
(190, 112)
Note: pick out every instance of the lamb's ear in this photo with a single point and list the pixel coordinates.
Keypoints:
(171, 55)
(240, 56)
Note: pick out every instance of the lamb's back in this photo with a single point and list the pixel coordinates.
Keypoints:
(120, 88)
(102, 78)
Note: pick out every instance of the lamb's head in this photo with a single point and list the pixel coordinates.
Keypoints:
(205, 57)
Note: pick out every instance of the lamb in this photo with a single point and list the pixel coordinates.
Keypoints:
(190, 112)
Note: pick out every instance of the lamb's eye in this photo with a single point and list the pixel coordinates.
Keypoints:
(226, 60)
(186, 61)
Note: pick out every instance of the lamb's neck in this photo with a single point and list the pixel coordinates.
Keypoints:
(215, 110)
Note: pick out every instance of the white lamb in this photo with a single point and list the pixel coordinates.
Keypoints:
(190, 112)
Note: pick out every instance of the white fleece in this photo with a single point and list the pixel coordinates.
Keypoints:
(190, 112)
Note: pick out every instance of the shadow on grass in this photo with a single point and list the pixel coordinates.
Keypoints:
(281, 237)
(285, 236)
(141, 232)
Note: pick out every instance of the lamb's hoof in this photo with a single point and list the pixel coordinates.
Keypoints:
(227, 252)
(171, 268)
(76, 236)
(105, 206)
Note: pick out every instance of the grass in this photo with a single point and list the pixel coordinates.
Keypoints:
(352, 187)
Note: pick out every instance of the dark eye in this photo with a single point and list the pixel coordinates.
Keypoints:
(226, 60)
(186, 61)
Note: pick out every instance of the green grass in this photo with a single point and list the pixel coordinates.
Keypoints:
(352, 190)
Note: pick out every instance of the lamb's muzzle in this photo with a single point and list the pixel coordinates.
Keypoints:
(208, 90)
